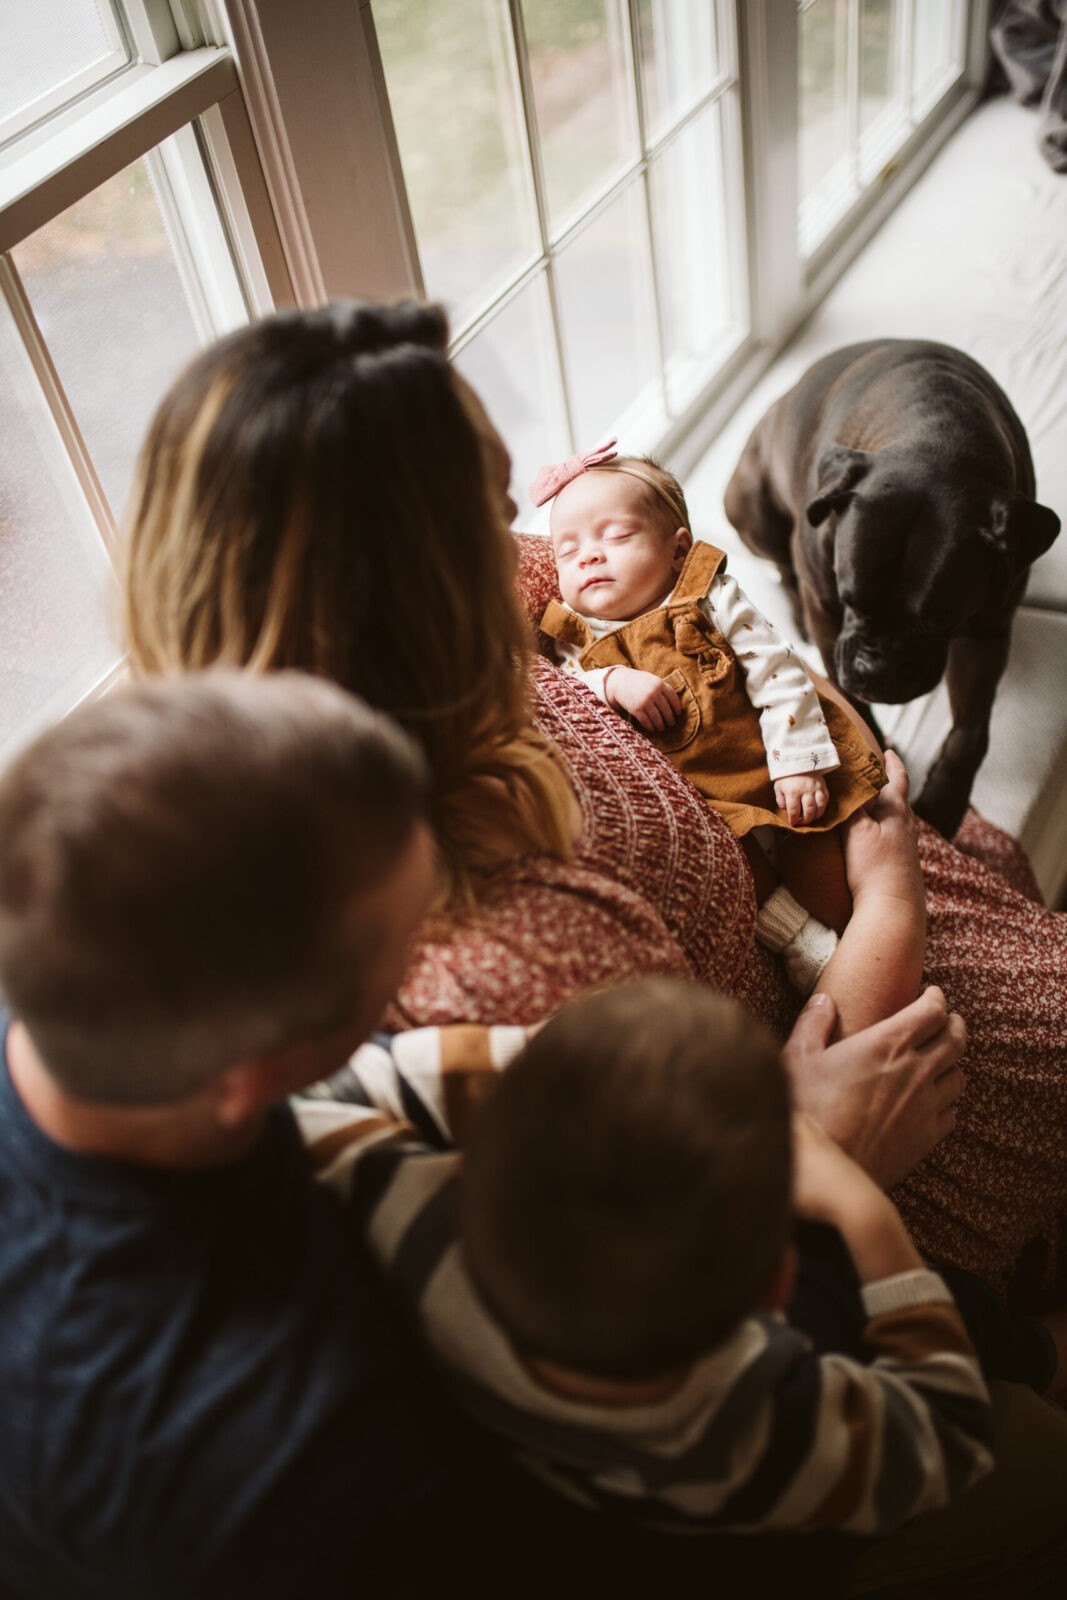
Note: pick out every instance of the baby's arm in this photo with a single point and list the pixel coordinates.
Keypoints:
(653, 704)
(799, 748)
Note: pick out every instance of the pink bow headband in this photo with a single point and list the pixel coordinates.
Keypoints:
(554, 477)
(551, 479)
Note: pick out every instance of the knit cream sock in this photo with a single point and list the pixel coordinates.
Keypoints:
(804, 944)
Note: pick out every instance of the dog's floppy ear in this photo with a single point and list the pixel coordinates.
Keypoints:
(1019, 529)
(840, 469)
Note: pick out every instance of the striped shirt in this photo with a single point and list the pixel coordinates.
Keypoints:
(763, 1434)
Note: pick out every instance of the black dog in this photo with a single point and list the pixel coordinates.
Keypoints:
(893, 486)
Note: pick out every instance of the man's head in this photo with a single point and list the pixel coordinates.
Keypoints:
(626, 1194)
(204, 871)
(620, 533)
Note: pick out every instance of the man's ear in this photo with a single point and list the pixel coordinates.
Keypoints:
(1018, 529)
(247, 1088)
(683, 543)
(779, 1292)
(839, 471)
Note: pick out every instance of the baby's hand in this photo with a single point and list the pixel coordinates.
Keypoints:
(652, 703)
(803, 797)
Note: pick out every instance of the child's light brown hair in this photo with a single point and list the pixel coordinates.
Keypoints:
(626, 1192)
(180, 867)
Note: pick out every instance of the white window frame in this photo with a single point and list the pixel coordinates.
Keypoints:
(182, 94)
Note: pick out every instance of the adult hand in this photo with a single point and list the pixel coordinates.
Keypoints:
(881, 843)
(887, 1094)
(653, 704)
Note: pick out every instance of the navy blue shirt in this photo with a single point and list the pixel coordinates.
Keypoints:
(198, 1379)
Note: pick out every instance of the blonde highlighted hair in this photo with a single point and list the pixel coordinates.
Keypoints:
(313, 493)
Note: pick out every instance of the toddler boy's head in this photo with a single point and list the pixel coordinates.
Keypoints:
(187, 874)
(620, 533)
(626, 1194)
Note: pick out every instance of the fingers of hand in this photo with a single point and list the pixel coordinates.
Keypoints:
(897, 773)
(802, 799)
(925, 1018)
(892, 800)
(948, 1090)
(658, 708)
(812, 1030)
(812, 806)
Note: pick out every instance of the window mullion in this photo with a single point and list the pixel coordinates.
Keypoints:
(907, 48)
(533, 146)
(229, 148)
(312, 84)
(633, 35)
(70, 435)
(852, 93)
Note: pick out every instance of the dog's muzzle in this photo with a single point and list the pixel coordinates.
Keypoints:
(887, 668)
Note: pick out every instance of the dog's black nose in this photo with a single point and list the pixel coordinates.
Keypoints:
(886, 669)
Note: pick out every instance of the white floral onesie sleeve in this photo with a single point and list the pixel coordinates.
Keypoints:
(794, 732)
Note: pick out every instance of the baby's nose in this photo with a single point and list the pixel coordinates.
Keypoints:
(591, 552)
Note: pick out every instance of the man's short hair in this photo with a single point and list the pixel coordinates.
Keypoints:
(178, 865)
(626, 1192)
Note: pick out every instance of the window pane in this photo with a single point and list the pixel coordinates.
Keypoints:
(698, 309)
(106, 291)
(56, 589)
(50, 50)
(512, 364)
(454, 94)
(824, 132)
(605, 304)
(679, 57)
(584, 98)
(936, 55)
(877, 59)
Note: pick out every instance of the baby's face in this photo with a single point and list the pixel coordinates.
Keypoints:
(615, 557)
